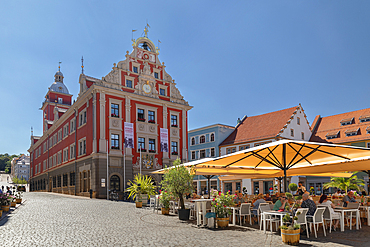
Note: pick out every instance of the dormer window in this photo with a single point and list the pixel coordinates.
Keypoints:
(368, 130)
(155, 75)
(332, 135)
(135, 69)
(352, 132)
(346, 121)
(364, 119)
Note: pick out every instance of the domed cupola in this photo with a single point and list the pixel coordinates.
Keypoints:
(58, 85)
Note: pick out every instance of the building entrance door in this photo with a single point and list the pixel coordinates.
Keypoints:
(115, 183)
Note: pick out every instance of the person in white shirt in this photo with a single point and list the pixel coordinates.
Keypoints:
(325, 202)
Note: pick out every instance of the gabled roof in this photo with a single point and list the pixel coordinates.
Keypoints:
(261, 127)
(324, 125)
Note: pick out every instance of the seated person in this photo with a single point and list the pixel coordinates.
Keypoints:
(257, 203)
(195, 196)
(280, 204)
(335, 215)
(308, 203)
(337, 193)
(350, 197)
(239, 199)
(268, 198)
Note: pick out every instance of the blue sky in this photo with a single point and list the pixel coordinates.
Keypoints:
(228, 58)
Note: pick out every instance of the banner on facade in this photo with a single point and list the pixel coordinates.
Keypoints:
(164, 140)
(129, 135)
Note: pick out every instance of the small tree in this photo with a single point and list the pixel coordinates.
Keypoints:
(178, 180)
(141, 185)
(345, 183)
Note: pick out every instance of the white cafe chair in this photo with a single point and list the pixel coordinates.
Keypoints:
(318, 218)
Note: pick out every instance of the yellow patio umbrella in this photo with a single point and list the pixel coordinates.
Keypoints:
(300, 156)
(327, 174)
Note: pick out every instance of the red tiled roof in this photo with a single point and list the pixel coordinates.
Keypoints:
(329, 124)
(260, 127)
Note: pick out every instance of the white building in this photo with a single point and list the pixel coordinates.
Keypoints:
(20, 167)
(258, 130)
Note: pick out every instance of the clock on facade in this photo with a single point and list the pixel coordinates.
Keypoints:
(147, 88)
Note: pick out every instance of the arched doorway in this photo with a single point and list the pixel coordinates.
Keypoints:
(115, 183)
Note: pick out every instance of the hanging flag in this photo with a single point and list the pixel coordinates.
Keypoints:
(148, 24)
(159, 41)
(129, 135)
(164, 140)
(134, 30)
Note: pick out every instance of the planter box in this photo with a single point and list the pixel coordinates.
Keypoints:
(290, 237)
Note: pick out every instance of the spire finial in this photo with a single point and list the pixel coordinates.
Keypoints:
(82, 64)
(59, 65)
(31, 131)
(146, 30)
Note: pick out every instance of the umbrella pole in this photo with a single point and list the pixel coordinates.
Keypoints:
(285, 182)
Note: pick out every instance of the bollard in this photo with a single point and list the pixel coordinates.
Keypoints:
(91, 192)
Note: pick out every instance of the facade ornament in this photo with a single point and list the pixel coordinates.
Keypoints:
(141, 127)
(112, 77)
(115, 123)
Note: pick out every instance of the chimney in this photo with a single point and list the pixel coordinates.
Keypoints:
(238, 121)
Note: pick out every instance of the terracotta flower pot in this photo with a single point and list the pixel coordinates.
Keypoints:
(139, 204)
(1, 213)
(165, 211)
(18, 201)
(13, 204)
(5, 208)
(290, 237)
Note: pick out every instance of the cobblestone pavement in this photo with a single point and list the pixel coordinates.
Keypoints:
(47, 219)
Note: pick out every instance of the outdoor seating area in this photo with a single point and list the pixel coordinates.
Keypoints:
(290, 213)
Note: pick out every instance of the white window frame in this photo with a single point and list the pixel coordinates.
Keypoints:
(130, 78)
(72, 151)
(82, 118)
(82, 151)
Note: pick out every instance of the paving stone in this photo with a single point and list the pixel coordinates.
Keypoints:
(47, 219)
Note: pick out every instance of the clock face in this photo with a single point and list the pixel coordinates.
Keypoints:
(147, 88)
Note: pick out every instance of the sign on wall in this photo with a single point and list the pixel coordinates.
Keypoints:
(129, 135)
(164, 140)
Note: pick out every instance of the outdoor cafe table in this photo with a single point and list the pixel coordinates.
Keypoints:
(201, 204)
(348, 210)
(272, 212)
(367, 209)
(236, 208)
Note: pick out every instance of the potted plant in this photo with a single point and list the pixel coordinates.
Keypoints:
(290, 232)
(179, 181)
(142, 184)
(220, 203)
(18, 197)
(165, 199)
(5, 200)
(12, 201)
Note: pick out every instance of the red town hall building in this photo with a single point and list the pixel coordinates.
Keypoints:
(71, 155)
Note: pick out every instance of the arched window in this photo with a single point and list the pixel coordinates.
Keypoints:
(115, 183)
(212, 137)
(193, 141)
(202, 139)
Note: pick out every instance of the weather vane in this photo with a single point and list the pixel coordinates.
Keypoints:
(82, 64)
(59, 65)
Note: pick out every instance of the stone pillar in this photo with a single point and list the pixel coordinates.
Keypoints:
(102, 140)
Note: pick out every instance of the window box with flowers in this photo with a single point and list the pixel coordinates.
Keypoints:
(141, 149)
(151, 151)
(174, 125)
(174, 153)
(114, 115)
(151, 121)
(141, 119)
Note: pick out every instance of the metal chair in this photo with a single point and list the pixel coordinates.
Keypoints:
(355, 205)
(258, 211)
(245, 210)
(302, 220)
(329, 216)
(318, 218)
(264, 208)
